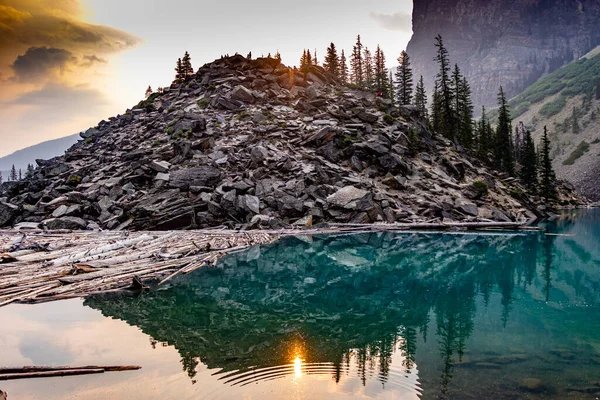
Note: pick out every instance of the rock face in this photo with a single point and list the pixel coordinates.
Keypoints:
(502, 42)
(253, 144)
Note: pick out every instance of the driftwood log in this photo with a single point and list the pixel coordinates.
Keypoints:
(46, 372)
(40, 266)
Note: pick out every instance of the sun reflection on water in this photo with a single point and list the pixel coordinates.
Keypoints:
(298, 367)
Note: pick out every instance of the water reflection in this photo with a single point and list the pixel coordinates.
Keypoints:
(502, 308)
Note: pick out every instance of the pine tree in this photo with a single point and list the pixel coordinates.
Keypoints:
(436, 110)
(332, 62)
(309, 59)
(404, 79)
(186, 63)
(575, 122)
(20, 174)
(391, 89)
(504, 151)
(343, 68)
(547, 176)
(421, 97)
(278, 56)
(465, 114)
(528, 171)
(13, 174)
(179, 75)
(447, 126)
(30, 170)
(369, 69)
(148, 91)
(314, 59)
(303, 60)
(356, 62)
(484, 135)
(380, 78)
(455, 85)
(0, 178)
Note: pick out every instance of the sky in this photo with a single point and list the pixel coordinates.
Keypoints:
(67, 64)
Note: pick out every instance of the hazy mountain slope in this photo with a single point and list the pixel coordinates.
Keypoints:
(28, 155)
(503, 42)
(553, 101)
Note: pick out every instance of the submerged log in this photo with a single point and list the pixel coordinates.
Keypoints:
(31, 368)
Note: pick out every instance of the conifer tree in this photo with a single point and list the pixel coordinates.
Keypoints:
(421, 97)
(528, 171)
(148, 91)
(465, 114)
(380, 78)
(13, 174)
(404, 79)
(314, 59)
(369, 69)
(179, 74)
(0, 178)
(343, 68)
(575, 122)
(436, 110)
(20, 174)
(504, 150)
(30, 170)
(278, 56)
(309, 59)
(391, 89)
(547, 176)
(186, 63)
(356, 62)
(455, 85)
(447, 126)
(484, 135)
(332, 61)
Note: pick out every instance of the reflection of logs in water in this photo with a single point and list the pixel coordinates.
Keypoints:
(396, 378)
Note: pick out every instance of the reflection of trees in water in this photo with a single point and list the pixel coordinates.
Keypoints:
(349, 299)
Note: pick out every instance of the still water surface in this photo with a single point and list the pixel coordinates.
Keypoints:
(385, 316)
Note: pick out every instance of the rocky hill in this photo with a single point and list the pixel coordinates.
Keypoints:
(504, 42)
(568, 103)
(253, 143)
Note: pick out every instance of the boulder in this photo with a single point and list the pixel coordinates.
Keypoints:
(71, 223)
(241, 93)
(346, 195)
(197, 176)
(8, 212)
(160, 166)
(467, 207)
(367, 117)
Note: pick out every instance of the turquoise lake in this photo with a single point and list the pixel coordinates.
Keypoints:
(461, 315)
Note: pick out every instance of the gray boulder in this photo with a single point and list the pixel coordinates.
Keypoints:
(72, 223)
(198, 176)
(346, 195)
(240, 93)
(7, 213)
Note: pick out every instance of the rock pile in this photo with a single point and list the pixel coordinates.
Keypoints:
(253, 143)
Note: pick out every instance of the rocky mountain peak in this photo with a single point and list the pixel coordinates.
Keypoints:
(253, 143)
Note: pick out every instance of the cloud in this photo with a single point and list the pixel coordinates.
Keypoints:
(41, 62)
(394, 22)
(88, 61)
(54, 24)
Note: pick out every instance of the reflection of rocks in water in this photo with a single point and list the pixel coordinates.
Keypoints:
(348, 302)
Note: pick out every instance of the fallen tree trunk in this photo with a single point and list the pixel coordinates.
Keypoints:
(32, 368)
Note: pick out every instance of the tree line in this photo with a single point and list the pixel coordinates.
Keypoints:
(17, 174)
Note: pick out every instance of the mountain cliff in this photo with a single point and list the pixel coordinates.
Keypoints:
(503, 42)
(249, 143)
(567, 102)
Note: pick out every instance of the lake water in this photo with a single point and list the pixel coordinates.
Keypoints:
(385, 316)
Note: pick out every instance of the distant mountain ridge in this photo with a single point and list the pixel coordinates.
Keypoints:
(28, 155)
